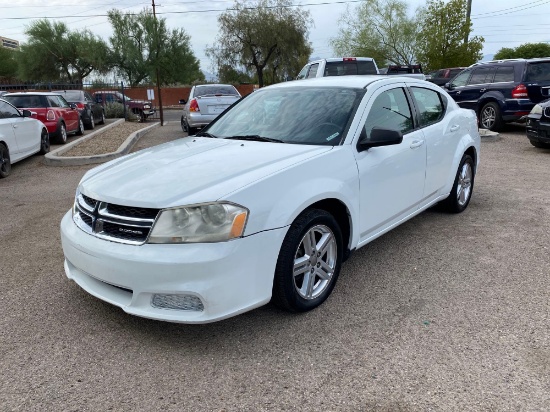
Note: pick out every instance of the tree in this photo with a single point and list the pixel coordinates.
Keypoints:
(380, 29)
(228, 74)
(442, 33)
(8, 62)
(140, 44)
(263, 35)
(525, 51)
(53, 52)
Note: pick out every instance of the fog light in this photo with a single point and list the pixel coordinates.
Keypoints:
(178, 302)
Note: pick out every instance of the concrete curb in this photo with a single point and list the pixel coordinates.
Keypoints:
(54, 159)
(488, 136)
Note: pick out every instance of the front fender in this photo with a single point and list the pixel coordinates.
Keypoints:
(276, 200)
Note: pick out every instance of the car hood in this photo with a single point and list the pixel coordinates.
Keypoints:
(190, 170)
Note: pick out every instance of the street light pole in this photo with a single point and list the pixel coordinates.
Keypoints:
(157, 67)
(468, 12)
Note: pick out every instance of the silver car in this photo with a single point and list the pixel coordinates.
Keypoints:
(205, 103)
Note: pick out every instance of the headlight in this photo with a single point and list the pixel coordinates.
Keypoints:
(204, 223)
(537, 109)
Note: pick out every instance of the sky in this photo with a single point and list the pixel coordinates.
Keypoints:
(503, 23)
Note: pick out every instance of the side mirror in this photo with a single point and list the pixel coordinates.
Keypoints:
(380, 137)
(449, 86)
(27, 113)
(182, 101)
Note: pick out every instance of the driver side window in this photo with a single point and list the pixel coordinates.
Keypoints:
(461, 79)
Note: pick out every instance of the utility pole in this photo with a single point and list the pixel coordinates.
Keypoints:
(157, 42)
(468, 12)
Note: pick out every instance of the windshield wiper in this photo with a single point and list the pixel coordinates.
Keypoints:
(255, 137)
(206, 134)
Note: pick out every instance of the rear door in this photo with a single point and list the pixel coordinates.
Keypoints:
(537, 80)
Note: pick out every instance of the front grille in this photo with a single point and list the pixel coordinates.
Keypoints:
(117, 223)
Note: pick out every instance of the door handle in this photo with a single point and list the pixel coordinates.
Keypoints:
(455, 128)
(416, 143)
(458, 92)
(15, 126)
(482, 90)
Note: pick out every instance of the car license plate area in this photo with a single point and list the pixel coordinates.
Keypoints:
(216, 109)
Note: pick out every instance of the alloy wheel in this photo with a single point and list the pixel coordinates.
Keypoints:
(464, 187)
(488, 117)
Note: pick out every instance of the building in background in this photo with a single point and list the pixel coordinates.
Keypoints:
(9, 43)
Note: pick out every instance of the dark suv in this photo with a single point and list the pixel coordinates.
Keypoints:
(502, 91)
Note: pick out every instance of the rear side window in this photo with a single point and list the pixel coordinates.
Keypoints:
(430, 105)
(504, 74)
(313, 70)
(537, 72)
(482, 75)
(350, 67)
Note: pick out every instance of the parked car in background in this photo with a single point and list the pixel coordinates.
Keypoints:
(338, 66)
(412, 70)
(141, 108)
(538, 125)
(51, 109)
(3, 92)
(443, 76)
(502, 91)
(269, 199)
(20, 136)
(90, 111)
(205, 103)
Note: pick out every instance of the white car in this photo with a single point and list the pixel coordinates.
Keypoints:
(205, 103)
(268, 200)
(20, 136)
(338, 66)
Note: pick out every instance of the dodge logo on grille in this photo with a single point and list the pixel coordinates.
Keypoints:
(130, 231)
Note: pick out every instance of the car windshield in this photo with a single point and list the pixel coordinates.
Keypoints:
(26, 101)
(215, 90)
(299, 115)
(123, 97)
(73, 95)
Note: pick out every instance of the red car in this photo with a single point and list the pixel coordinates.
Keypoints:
(51, 109)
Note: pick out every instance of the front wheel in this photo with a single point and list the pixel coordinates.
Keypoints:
(490, 117)
(102, 120)
(5, 163)
(461, 193)
(80, 130)
(309, 262)
(44, 142)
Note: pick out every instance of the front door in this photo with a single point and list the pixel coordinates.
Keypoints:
(391, 177)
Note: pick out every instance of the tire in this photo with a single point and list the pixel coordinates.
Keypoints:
(490, 117)
(191, 130)
(44, 142)
(463, 186)
(102, 121)
(316, 273)
(62, 135)
(183, 124)
(91, 124)
(540, 145)
(5, 163)
(80, 130)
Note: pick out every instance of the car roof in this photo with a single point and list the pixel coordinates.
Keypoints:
(352, 82)
(31, 94)
(214, 84)
(341, 59)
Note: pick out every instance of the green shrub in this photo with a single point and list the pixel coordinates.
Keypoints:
(115, 110)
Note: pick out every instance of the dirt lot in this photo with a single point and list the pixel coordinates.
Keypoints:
(442, 313)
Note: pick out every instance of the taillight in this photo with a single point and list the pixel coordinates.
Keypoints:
(519, 91)
(80, 105)
(194, 106)
(50, 115)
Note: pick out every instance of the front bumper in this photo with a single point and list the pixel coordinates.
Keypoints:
(538, 129)
(228, 277)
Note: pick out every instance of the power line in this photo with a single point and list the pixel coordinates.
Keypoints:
(510, 8)
(510, 12)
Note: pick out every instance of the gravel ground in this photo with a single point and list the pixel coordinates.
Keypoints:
(444, 313)
(107, 141)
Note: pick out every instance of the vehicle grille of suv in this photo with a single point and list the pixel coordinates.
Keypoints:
(122, 224)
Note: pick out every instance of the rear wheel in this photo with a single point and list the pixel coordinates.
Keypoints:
(62, 136)
(183, 124)
(5, 164)
(102, 120)
(80, 130)
(490, 117)
(44, 142)
(91, 125)
(309, 262)
(461, 193)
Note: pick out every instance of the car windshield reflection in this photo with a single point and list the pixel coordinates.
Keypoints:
(315, 115)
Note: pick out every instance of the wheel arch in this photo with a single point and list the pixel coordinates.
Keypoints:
(341, 213)
(497, 98)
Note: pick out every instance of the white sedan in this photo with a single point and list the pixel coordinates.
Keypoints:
(268, 200)
(20, 136)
